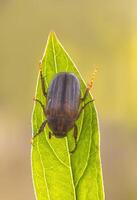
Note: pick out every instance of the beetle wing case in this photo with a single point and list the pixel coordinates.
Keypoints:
(63, 96)
(63, 100)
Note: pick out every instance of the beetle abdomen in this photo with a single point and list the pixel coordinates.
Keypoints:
(63, 96)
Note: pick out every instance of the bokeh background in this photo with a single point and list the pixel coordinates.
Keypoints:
(94, 33)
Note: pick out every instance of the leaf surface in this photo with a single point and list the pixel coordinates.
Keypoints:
(57, 174)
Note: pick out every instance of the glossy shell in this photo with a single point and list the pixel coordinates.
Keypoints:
(63, 101)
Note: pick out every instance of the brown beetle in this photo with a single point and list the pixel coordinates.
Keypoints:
(63, 104)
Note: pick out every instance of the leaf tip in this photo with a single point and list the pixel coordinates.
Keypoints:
(52, 34)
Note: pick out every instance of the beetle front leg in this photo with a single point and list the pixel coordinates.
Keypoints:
(43, 84)
(75, 134)
(83, 107)
(85, 95)
(41, 104)
(42, 81)
(41, 129)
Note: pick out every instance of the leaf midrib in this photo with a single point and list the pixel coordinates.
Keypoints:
(55, 66)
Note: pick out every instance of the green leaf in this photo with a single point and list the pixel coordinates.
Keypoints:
(57, 174)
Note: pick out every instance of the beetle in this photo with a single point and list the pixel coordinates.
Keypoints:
(63, 106)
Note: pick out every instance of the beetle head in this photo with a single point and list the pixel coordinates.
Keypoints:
(60, 126)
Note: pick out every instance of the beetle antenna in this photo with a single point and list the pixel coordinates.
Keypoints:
(90, 84)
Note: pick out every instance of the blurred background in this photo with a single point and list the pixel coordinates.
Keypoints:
(92, 32)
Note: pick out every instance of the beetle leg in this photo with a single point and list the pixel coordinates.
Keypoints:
(84, 107)
(75, 134)
(43, 84)
(43, 107)
(50, 134)
(41, 129)
(42, 81)
(85, 95)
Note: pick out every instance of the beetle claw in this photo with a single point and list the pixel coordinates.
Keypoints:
(71, 152)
